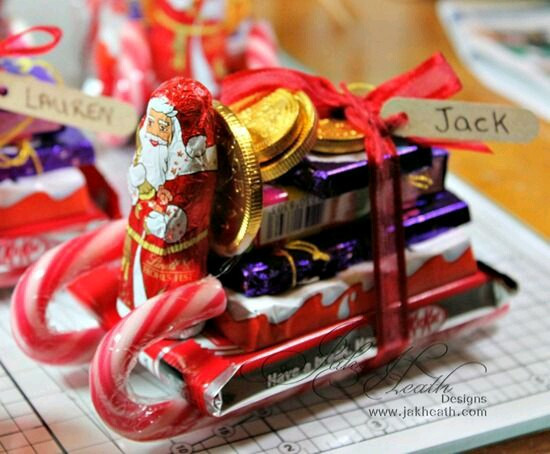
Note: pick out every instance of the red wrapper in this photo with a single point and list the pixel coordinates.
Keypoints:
(257, 322)
(221, 380)
(172, 180)
(188, 41)
(44, 222)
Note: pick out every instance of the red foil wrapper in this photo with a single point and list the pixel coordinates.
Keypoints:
(257, 322)
(188, 41)
(172, 181)
(222, 380)
(38, 222)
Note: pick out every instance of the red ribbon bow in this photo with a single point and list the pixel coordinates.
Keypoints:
(14, 45)
(433, 79)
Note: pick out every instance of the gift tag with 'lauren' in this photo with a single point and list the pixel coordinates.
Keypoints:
(460, 120)
(64, 105)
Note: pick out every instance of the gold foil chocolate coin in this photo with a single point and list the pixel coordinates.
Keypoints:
(307, 122)
(237, 211)
(337, 136)
(331, 129)
(271, 121)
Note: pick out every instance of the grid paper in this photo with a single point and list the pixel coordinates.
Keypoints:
(48, 410)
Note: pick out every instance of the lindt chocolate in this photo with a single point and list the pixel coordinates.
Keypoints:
(172, 180)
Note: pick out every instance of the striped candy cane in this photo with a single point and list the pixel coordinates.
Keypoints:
(37, 286)
(133, 74)
(261, 47)
(116, 355)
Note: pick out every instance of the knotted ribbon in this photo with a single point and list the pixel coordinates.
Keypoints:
(433, 79)
(14, 45)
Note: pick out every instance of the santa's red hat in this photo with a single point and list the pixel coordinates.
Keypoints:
(193, 103)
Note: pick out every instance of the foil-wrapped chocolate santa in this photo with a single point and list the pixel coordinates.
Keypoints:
(189, 37)
(172, 181)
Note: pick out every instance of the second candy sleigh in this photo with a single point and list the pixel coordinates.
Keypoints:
(165, 248)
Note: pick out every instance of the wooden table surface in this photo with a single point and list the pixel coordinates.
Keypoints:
(368, 40)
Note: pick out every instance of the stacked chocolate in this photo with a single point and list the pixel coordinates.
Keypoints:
(291, 231)
(47, 182)
(310, 238)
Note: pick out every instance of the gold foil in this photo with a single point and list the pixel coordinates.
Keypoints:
(237, 213)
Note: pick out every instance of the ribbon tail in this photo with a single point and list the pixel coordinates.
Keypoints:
(433, 79)
(388, 247)
(14, 45)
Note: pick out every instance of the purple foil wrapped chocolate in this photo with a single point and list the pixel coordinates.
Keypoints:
(65, 148)
(270, 272)
(423, 172)
(273, 271)
(433, 215)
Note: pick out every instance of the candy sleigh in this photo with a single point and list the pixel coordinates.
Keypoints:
(142, 335)
(401, 288)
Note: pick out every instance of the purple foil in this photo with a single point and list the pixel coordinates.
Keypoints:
(331, 175)
(66, 148)
(268, 271)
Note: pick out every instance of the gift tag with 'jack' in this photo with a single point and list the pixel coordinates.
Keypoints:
(64, 105)
(460, 120)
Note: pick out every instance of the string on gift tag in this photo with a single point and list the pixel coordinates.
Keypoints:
(25, 152)
(15, 46)
(36, 99)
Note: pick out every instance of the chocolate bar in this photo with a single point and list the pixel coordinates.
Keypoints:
(299, 214)
(50, 151)
(224, 379)
(254, 322)
(422, 169)
(275, 270)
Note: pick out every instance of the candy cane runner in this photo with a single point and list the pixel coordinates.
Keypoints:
(161, 316)
(37, 287)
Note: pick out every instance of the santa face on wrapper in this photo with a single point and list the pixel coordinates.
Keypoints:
(172, 182)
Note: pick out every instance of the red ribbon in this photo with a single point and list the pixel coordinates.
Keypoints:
(433, 79)
(14, 45)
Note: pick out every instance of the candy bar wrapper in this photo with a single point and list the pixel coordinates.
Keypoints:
(422, 169)
(221, 379)
(172, 181)
(14, 126)
(46, 152)
(299, 214)
(272, 271)
(18, 252)
(44, 221)
(42, 198)
(256, 322)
